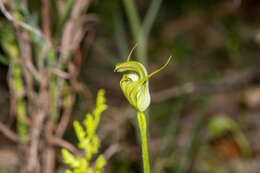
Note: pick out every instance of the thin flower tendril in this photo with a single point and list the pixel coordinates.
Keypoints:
(130, 54)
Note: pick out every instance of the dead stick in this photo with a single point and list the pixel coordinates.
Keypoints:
(8, 133)
(46, 24)
(49, 156)
(230, 82)
(10, 17)
(53, 140)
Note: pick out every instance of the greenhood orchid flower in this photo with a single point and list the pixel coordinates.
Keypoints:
(134, 82)
(135, 87)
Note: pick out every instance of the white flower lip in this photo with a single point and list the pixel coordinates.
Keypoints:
(134, 77)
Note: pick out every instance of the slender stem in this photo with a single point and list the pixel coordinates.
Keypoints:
(150, 17)
(120, 34)
(133, 17)
(137, 30)
(142, 125)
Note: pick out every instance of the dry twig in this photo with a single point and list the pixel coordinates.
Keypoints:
(8, 133)
(10, 17)
(230, 82)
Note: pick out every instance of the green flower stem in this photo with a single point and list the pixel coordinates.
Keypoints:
(134, 85)
(142, 125)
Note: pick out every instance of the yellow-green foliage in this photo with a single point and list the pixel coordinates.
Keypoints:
(18, 88)
(88, 141)
(10, 48)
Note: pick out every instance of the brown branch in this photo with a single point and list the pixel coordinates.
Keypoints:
(8, 133)
(230, 82)
(46, 24)
(65, 118)
(10, 17)
(53, 140)
(60, 73)
(50, 155)
(33, 158)
(111, 151)
(49, 159)
(74, 69)
(57, 141)
(33, 164)
(60, 6)
(71, 27)
(32, 69)
(71, 37)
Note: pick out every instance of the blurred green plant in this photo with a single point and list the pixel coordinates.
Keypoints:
(10, 48)
(220, 125)
(140, 29)
(135, 87)
(88, 141)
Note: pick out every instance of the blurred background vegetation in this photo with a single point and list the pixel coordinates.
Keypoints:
(204, 116)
